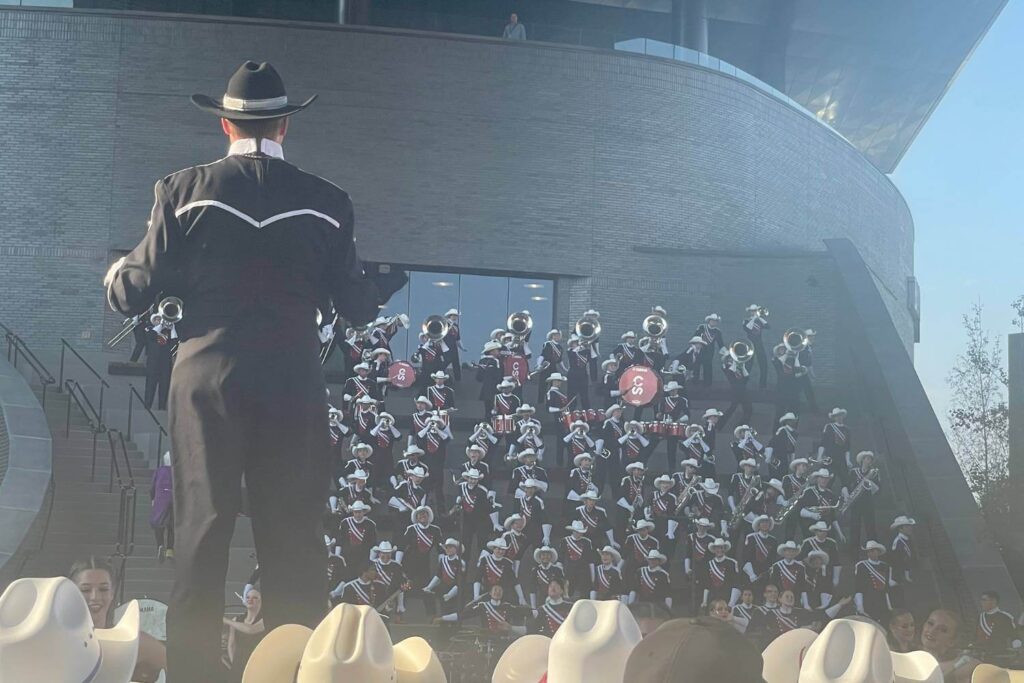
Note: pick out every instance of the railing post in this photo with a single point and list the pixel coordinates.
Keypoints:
(60, 385)
(67, 423)
(100, 411)
(92, 470)
(15, 362)
(44, 394)
(131, 402)
(159, 447)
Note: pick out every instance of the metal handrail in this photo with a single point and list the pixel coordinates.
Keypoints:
(77, 395)
(133, 394)
(65, 345)
(125, 544)
(16, 346)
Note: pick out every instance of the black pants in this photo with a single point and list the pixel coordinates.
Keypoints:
(165, 534)
(158, 376)
(862, 517)
(261, 416)
(762, 361)
(805, 387)
(704, 365)
(579, 387)
(741, 400)
(139, 335)
(452, 359)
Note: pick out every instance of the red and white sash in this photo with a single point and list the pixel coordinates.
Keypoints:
(555, 618)
(788, 572)
(717, 572)
(762, 547)
(647, 579)
(364, 593)
(878, 580)
(504, 404)
(494, 570)
(355, 531)
(837, 432)
(424, 540)
(450, 567)
(574, 547)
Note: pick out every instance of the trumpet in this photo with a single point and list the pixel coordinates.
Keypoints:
(435, 327)
(762, 312)
(519, 324)
(741, 352)
(588, 329)
(655, 326)
(170, 310)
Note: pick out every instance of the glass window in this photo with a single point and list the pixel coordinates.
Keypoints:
(429, 294)
(538, 297)
(483, 303)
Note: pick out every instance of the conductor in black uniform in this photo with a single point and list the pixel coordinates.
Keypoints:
(251, 244)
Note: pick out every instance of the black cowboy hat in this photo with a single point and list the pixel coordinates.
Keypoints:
(255, 91)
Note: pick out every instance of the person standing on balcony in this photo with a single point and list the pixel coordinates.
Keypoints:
(513, 29)
(253, 246)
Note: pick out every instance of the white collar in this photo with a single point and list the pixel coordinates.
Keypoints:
(552, 601)
(248, 146)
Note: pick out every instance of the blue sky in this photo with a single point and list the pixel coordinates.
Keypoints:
(963, 180)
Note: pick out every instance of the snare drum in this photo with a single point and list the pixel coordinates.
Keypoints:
(677, 429)
(652, 428)
(566, 420)
(579, 416)
(593, 415)
(503, 424)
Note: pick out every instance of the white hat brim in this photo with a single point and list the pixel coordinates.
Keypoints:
(416, 662)
(526, 659)
(120, 647)
(278, 654)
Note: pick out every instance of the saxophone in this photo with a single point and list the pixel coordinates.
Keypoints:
(788, 508)
(858, 491)
(752, 493)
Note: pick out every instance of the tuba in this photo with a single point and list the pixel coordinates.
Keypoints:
(655, 326)
(435, 327)
(741, 352)
(794, 340)
(588, 329)
(519, 324)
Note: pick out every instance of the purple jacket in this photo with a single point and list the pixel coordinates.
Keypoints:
(161, 492)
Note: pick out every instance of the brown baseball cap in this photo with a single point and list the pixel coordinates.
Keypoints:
(701, 649)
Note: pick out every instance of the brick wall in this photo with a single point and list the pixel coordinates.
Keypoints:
(459, 152)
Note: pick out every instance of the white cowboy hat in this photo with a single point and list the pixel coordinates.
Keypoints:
(531, 483)
(777, 485)
(492, 346)
(525, 453)
(361, 446)
(784, 655)
(525, 661)
(440, 374)
(593, 643)
(47, 635)
(629, 335)
(820, 525)
(607, 362)
(416, 662)
(358, 506)
(498, 543)
(902, 520)
(753, 307)
(506, 384)
(278, 654)
(712, 316)
(713, 412)
(512, 519)
(634, 466)
(577, 526)
(590, 495)
(412, 449)
(795, 462)
(475, 447)
(422, 508)
(989, 673)
(704, 521)
(380, 352)
(365, 400)
(663, 479)
(819, 474)
(472, 473)
(452, 311)
(864, 454)
(644, 524)
(454, 542)
(497, 332)
(580, 424)
(385, 415)
(552, 333)
(383, 547)
(672, 386)
(763, 518)
(417, 472)
(555, 377)
(545, 549)
(740, 431)
(819, 554)
(720, 543)
(694, 429)
(873, 545)
(581, 457)
(358, 474)
(611, 409)
(810, 332)
(788, 545)
(361, 366)
(696, 340)
(788, 417)
(424, 399)
(689, 462)
(849, 651)
(710, 485)
(637, 423)
(837, 411)
(922, 667)
(653, 554)
(526, 408)
(747, 462)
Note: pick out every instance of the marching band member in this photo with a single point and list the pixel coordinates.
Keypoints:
(553, 612)
(380, 362)
(712, 338)
(688, 362)
(744, 485)
(711, 417)
(639, 544)
(686, 478)
(782, 446)
(408, 495)
(818, 594)
(863, 486)
(432, 354)
(354, 490)
(362, 590)
(161, 341)
(546, 569)
(412, 459)
(820, 541)
(336, 568)
(789, 617)
(579, 440)
(652, 584)
(721, 582)
(385, 435)
(557, 402)
(771, 501)
(794, 483)
(581, 479)
(736, 373)
(451, 569)
(996, 632)
(358, 386)
(339, 430)
(819, 502)
(760, 550)
(661, 510)
(607, 450)
(743, 611)
(608, 583)
(390, 574)
(627, 352)
(478, 517)
(672, 406)
(441, 397)
(495, 614)
(420, 541)
(578, 551)
(453, 340)
(527, 469)
(434, 439)
(357, 533)
(835, 443)
(872, 580)
(633, 446)
(695, 561)
(630, 496)
(695, 448)
(754, 324)
(806, 358)
(515, 539)
(705, 503)
(529, 439)
(384, 330)
(903, 558)
(484, 438)
(489, 374)
(763, 616)
(745, 444)
(550, 362)
(475, 461)
(353, 346)
(365, 418)
(595, 520)
(506, 403)
(787, 368)
(494, 569)
(578, 359)
(531, 509)
(608, 389)
(788, 573)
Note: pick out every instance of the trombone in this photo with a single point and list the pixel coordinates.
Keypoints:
(170, 309)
